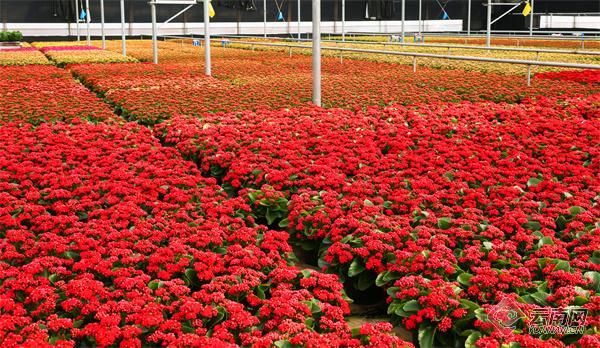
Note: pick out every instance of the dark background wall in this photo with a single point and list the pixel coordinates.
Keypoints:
(61, 11)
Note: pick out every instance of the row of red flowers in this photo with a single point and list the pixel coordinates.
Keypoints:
(584, 76)
(43, 93)
(152, 93)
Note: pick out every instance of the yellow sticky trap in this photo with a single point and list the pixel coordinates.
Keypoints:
(527, 9)
(211, 10)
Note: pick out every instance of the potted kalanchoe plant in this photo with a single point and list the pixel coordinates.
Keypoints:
(10, 39)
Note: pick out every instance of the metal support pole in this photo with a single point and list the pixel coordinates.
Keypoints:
(488, 35)
(299, 38)
(531, 19)
(77, 19)
(414, 64)
(87, 22)
(123, 45)
(403, 17)
(529, 75)
(207, 67)
(265, 17)
(343, 20)
(469, 18)
(102, 24)
(420, 18)
(316, 52)
(154, 40)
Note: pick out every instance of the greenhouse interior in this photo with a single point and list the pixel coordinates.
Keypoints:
(294, 173)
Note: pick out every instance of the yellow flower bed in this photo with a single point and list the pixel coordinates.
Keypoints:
(22, 58)
(58, 43)
(62, 54)
(168, 51)
(91, 56)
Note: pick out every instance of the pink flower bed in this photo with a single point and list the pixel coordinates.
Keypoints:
(68, 48)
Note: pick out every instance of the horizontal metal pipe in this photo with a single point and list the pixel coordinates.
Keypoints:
(591, 36)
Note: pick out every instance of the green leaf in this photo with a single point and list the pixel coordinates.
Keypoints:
(580, 301)
(411, 306)
(488, 245)
(284, 223)
(547, 240)
(313, 306)
(53, 278)
(283, 344)
(562, 265)
(260, 293)
(271, 216)
(426, 335)
(533, 225)
(386, 277)
(356, 268)
(464, 279)
(155, 284)
(190, 276)
(561, 223)
(368, 203)
(187, 327)
(469, 304)
(533, 182)
(540, 298)
(391, 291)
(473, 337)
(444, 223)
(574, 210)
(380, 280)
(402, 313)
(221, 250)
(393, 307)
(481, 314)
(365, 280)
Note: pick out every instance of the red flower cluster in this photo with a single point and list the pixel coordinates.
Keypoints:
(151, 93)
(40, 93)
(481, 199)
(583, 76)
(109, 238)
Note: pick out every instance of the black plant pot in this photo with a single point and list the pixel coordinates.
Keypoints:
(373, 295)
